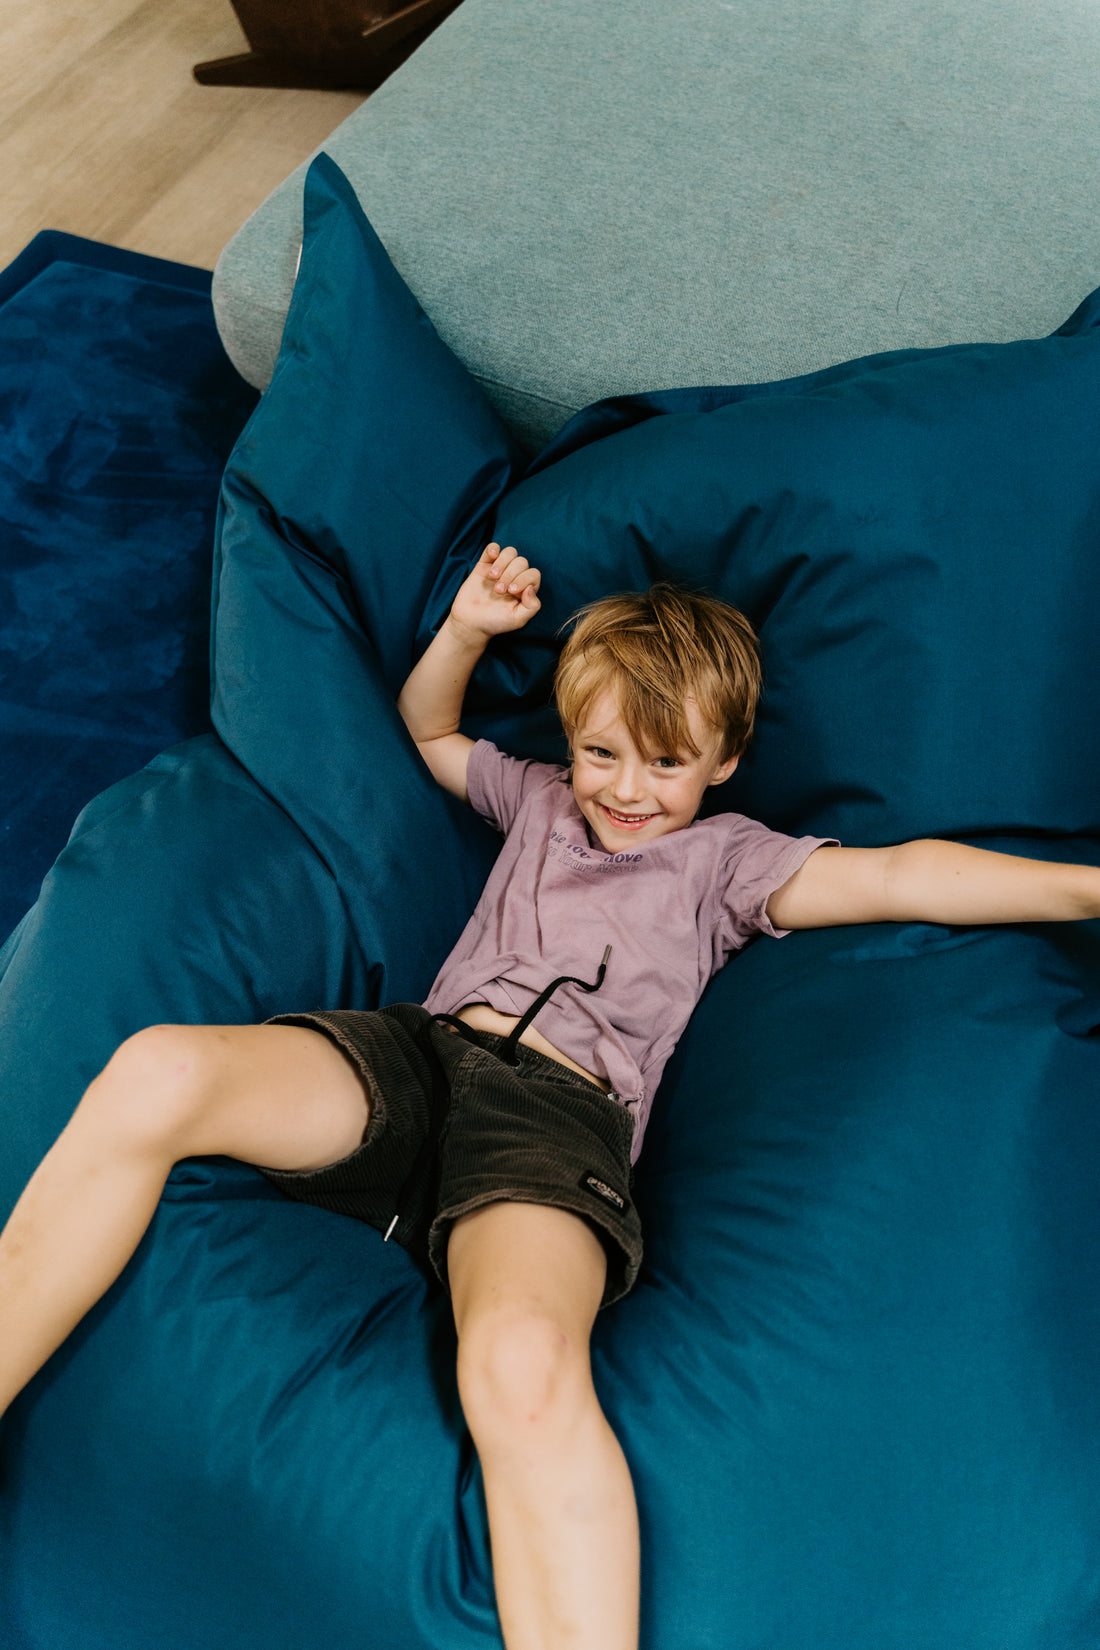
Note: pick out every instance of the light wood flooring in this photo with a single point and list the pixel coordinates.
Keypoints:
(104, 132)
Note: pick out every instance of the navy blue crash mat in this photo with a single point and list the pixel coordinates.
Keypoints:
(118, 408)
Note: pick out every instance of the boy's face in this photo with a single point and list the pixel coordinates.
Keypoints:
(630, 796)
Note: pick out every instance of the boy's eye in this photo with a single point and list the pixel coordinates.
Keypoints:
(598, 750)
(668, 761)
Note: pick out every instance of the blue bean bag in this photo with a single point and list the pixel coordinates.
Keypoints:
(859, 1381)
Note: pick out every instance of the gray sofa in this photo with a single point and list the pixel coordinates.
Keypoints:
(591, 199)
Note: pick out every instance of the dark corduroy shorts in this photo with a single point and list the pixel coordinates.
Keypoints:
(454, 1127)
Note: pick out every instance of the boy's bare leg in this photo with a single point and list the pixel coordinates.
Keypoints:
(526, 1282)
(282, 1096)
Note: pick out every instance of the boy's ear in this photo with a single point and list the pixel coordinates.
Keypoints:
(723, 771)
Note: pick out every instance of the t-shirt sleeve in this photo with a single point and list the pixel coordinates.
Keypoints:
(757, 862)
(498, 785)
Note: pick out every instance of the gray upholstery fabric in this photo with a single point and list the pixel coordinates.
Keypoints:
(593, 199)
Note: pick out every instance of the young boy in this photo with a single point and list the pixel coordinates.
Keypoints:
(493, 1130)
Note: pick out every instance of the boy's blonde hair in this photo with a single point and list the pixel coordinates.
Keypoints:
(655, 650)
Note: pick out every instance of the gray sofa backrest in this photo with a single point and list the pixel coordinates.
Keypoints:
(590, 199)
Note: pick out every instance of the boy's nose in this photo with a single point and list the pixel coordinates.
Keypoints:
(628, 784)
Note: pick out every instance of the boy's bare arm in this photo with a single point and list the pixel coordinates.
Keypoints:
(932, 881)
(500, 595)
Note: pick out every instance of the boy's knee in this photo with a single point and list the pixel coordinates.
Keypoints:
(155, 1085)
(521, 1378)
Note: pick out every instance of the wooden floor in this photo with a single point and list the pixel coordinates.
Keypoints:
(104, 132)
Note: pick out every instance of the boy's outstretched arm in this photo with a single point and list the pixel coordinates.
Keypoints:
(499, 596)
(932, 881)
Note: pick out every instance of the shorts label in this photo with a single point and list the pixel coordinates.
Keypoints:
(593, 1183)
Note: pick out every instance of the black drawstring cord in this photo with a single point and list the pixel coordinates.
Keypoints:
(508, 1049)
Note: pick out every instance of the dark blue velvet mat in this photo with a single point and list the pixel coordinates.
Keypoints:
(118, 409)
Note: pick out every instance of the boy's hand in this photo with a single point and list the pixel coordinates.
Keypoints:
(500, 595)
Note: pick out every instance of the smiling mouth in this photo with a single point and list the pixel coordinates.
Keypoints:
(628, 820)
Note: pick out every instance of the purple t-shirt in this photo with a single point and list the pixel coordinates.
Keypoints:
(673, 909)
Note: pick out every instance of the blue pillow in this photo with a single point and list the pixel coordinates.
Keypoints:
(917, 538)
(366, 477)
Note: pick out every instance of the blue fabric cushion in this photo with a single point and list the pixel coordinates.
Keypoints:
(856, 1383)
(916, 536)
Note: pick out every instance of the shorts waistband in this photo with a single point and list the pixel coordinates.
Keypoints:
(494, 1041)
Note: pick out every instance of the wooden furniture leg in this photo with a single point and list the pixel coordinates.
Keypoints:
(331, 45)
